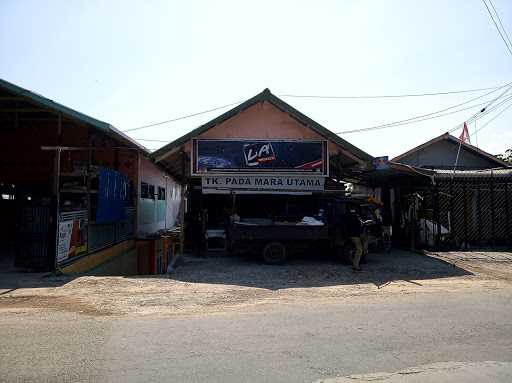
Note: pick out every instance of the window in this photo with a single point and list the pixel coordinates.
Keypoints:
(161, 193)
(147, 191)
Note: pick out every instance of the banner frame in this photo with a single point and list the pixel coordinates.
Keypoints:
(194, 158)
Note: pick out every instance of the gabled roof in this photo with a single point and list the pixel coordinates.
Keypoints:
(266, 95)
(70, 113)
(448, 137)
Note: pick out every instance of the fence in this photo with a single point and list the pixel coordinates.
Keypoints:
(467, 209)
(78, 237)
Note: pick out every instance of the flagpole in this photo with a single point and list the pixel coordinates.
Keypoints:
(462, 137)
(476, 135)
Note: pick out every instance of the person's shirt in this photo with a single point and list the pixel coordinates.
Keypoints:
(354, 225)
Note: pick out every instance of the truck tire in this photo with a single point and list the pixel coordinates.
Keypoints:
(274, 253)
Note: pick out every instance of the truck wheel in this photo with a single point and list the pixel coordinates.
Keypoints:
(274, 253)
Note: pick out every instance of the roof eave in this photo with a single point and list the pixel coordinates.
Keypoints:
(70, 113)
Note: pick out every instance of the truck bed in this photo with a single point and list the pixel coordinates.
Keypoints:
(277, 232)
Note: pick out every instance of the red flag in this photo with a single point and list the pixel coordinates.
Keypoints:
(465, 134)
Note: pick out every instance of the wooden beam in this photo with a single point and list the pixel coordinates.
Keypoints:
(26, 110)
(10, 98)
(37, 119)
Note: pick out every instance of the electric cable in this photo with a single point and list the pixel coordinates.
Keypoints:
(403, 122)
(499, 21)
(340, 97)
(182, 117)
(497, 28)
(389, 96)
(492, 119)
(484, 110)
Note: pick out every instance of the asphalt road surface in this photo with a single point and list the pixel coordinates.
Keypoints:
(272, 342)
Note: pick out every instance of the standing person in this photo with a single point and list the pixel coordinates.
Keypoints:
(355, 233)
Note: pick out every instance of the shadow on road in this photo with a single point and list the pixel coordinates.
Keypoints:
(12, 278)
(301, 272)
(318, 271)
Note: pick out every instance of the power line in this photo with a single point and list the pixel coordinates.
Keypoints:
(499, 21)
(478, 116)
(423, 116)
(497, 28)
(401, 123)
(389, 96)
(484, 110)
(306, 96)
(492, 119)
(405, 123)
(183, 117)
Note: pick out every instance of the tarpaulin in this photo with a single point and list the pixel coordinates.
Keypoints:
(113, 193)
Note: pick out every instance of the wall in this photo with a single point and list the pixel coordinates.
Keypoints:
(92, 261)
(123, 264)
(263, 120)
(442, 155)
(154, 214)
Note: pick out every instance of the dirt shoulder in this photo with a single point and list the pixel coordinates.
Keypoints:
(218, 284)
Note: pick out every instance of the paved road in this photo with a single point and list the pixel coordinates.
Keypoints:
(266, 343)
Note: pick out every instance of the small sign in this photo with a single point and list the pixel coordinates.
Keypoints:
(381, 163)
(65, 232)
(72, 239)
(258, 153)
(265, 182)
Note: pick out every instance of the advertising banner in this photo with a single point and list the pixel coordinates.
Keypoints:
(259, 156)
(264, 182)
(72, 240)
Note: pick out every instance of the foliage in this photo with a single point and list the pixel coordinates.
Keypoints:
(507, 156)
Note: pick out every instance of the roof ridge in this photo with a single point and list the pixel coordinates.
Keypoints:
(265, 95)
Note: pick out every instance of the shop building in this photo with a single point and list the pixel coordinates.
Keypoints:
(441, 153)
(75, 191)
(262, 161)
(462, 200)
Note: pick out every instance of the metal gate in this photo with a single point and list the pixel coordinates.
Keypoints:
(35, 240)
(470, 209)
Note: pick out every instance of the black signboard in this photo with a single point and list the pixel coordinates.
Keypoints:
(285, 156)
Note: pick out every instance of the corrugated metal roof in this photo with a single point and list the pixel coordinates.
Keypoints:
(497, 172)
(448, 137)
(70, 113)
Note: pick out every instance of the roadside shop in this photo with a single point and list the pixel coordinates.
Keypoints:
(75, 191)
(263, 163)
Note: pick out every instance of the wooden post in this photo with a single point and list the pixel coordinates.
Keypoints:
(479, 212)
(436, 215)
(57, 201)
(59, 129)
(182, 208)
(507, 213)
(493, 212)
(465, 201)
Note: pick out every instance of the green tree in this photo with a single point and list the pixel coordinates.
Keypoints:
(507, 156)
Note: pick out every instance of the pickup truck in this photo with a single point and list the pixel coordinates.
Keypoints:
(275, 241)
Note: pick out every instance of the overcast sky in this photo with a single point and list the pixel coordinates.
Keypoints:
(132, 63)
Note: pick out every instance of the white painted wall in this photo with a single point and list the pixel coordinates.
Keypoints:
(153, 214)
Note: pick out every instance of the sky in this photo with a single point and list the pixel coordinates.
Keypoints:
(133, 63)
